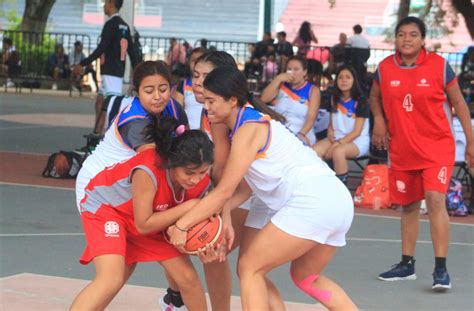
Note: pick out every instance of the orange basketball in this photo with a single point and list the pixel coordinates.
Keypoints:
(61, 164)
(208, 231)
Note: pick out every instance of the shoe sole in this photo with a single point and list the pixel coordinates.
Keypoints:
(410, 277)
(440, 287)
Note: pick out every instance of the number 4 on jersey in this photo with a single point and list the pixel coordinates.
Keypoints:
(407, 103)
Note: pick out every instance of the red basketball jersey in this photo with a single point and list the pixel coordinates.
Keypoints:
(417, 111)
(111, 188)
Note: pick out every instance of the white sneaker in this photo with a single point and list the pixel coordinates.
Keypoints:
(170, 307)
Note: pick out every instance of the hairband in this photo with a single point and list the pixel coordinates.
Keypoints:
(180, 130)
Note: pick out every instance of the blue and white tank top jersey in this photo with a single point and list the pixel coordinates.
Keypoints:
(114, 148)
(191, 106)
(293, 105)
(344, 119)
(281, 164)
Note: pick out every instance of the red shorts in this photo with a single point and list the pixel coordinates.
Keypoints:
(410, 186)
(111, 232)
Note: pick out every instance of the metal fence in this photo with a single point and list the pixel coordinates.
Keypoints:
(35, 48)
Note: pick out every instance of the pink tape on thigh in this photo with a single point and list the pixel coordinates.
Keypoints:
(306, 286)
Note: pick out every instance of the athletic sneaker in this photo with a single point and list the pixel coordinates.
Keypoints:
(399, 272)
(169, 306)
(441, 281)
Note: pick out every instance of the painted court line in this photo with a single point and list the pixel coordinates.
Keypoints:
(60, 234)
(35, 186)
(7, 128)
(398, 218)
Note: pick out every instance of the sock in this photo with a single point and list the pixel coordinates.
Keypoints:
(343, 177)
(176, 298)
(440, 263)
(407, 260)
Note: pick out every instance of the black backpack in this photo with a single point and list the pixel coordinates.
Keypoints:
(63, 165)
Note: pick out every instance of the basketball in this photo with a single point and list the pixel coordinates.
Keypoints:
(208, 231)
(61, 163)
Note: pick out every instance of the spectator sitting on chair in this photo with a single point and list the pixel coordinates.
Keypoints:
(11, 64)
(466, 78)
(58, 65)
(338, 53)
(262, 47)
(348, 131)
(270, 67)
(75, 58)
(295, 98)
(283, 49)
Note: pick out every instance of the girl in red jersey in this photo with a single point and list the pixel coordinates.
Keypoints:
(411, 99)
(348, 131)
(128, 205)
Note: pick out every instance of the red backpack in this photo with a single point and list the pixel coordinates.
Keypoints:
(373, 191)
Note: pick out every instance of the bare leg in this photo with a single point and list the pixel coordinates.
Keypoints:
(111, 275)
(218, 274)
(274, 298)
(182, 271)
(439, 222)
(254, 264)
(410, 222)
(99, 114)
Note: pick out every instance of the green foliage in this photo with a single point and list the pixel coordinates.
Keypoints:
(34, 49)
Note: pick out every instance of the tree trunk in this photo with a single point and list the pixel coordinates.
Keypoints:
(466, 8)
(36, 15)
(403, 10)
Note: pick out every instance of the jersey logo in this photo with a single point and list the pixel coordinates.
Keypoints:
(160, 207)
(394, 83)
(401, 186)
(423, 83)
(111, 229)
(442, 175)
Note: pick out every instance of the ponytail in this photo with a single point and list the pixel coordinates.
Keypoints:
(177, 148)
(229, 82)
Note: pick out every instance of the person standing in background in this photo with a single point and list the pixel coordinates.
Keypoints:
(411, 99)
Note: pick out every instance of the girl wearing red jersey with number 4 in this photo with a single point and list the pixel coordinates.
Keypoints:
(127, 206)
(412, 97)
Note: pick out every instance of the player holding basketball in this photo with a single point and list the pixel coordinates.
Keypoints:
(218, 274)
(115, 43)
(411, 101)
(127, 205)
(303, 221)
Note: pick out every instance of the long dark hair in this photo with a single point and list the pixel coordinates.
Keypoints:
(356, 92)
(189, 148)
(305, 32)
(150, 68)
(229, 82)
(217, 59)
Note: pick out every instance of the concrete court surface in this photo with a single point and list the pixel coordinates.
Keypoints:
(41, 234)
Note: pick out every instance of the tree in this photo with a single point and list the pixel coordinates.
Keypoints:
(403, 10)
(466, 8)
(36, 15)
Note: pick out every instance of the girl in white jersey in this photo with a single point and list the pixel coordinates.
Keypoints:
(295, 98)
(185, 96)
(125, 137)
(310, 209)
(348, 131)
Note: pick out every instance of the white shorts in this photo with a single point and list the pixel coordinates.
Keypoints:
(321, 209)
(111, 85)
(363, 144)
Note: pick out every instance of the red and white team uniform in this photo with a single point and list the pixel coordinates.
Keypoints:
(107, 211)
(419, 119)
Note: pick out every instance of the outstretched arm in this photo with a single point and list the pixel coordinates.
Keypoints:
(246, 143)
